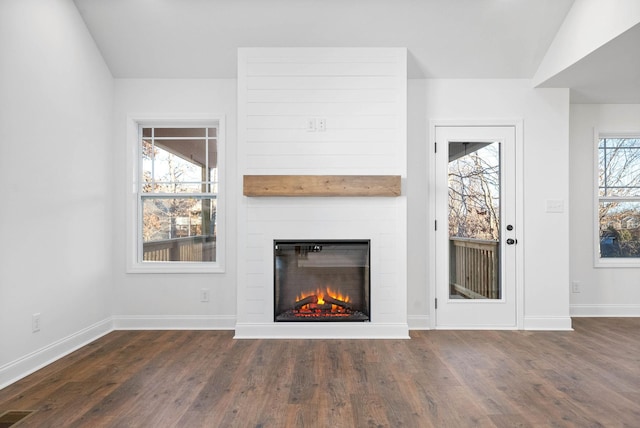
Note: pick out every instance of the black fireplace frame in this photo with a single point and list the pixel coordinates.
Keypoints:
(364, 315)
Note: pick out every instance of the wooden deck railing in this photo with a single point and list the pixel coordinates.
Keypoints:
(190, 249)
(474, 268)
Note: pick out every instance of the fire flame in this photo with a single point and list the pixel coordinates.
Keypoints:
(319, 293)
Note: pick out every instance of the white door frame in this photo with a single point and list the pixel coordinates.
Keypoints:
(519, 205)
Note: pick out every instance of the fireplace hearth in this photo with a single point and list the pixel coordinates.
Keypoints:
(321, 280)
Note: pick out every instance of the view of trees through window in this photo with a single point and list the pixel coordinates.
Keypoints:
(619, 197)
(474, 190)
(179, 179)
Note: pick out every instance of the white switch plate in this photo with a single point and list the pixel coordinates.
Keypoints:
(555, 206)
(35, 323)
(311, 125)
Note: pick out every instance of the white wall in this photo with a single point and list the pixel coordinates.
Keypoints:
(56, 97)
(416, 187)
(545, 237)
(603, 291)
(173, 300)
(589, 25)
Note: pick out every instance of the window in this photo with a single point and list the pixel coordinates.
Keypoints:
(618, 205)
(177, 198)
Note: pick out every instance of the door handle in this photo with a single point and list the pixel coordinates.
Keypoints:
(511, 241)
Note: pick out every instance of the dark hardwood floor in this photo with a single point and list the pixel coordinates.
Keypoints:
(589, 377)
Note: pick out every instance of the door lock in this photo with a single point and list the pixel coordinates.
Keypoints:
(511, 241)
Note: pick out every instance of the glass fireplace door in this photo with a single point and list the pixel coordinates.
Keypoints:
(321, 280)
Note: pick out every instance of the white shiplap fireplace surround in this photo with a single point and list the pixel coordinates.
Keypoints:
(322, 111)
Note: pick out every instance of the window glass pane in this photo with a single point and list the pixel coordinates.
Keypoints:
(179, 132)
(619, 167)
(474, 190)
(213, 153)
(147, 165)
(619, 229)
(614, 143)
(179, 229)
(178, 169)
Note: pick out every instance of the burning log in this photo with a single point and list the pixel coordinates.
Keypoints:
(337, 302)
(320, 307)
(307, 300)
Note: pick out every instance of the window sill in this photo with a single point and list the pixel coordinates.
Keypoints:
(617, 263)
(178, 267)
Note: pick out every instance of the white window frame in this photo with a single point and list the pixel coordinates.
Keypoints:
(607, 262)
(134, 164)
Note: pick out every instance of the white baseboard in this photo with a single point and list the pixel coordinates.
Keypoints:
(476, 327)
(613, 310)
(24, 366)
(321, 330)
(185, 322)
(419, 322)
(548, 323)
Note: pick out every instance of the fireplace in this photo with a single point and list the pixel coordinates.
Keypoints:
(323, 280)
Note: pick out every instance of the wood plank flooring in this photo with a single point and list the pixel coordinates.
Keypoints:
(586, 378)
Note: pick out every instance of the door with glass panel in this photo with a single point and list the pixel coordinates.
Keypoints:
(476, 230)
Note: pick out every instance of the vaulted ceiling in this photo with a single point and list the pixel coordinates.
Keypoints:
(445, 38)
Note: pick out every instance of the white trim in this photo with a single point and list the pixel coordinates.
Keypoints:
(477, 327)
(548, 323)
(518, 125)
(431, 212)
(133, 165)
(174, 322)
(419, 322)
(605, 310)
(611, 262)
(322, 330)
(24, 366)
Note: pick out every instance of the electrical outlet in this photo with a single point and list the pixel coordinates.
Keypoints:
(575, 286)
(35, 323)
(322, 125)
(204, 295)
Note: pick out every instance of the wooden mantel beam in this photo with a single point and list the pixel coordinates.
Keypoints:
(321, 185)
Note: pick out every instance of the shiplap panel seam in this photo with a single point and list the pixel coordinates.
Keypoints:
(321, 82)
(380, 148)
(321, 69)
(391, 59)
(324, 96)
(338, 122)
(320, 109)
